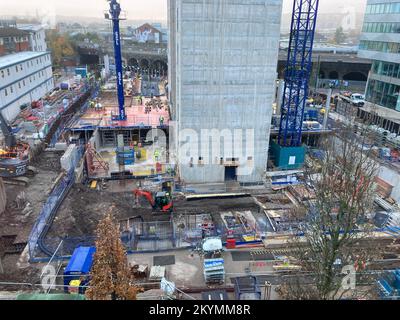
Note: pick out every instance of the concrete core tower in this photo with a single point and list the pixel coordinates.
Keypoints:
(223, 58)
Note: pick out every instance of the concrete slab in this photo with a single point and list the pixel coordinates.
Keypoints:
(164, 260)
(136, 114)
(185, 272)
(188, 271)
(141, 167)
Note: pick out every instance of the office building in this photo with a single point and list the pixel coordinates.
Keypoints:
(24, 77)
(380, 42)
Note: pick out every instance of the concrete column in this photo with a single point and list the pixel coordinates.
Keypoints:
(327, 109)
(281, 88)
(107, 65)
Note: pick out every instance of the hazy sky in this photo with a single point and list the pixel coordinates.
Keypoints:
(136, 9)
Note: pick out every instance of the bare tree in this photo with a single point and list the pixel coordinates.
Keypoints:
(336, 226)
(111, 278)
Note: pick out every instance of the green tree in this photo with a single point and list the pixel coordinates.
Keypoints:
(60, 46)
(91, 36)
(339, 37)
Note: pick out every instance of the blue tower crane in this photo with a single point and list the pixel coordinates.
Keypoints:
(288, 151)
(114, 15)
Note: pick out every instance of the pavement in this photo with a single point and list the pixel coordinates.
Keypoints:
(8, 295)
(187, 271)
(333, 117)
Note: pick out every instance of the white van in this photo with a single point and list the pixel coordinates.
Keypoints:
(357, 99)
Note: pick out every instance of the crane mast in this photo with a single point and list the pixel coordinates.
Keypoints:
(114, 16)
(298, 72)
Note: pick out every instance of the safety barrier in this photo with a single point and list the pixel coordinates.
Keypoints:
(47, 214)
(139, 237)
(49, 210)
(151, 236)
(342, 85)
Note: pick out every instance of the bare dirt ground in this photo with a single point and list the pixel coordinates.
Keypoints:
(214, 205)
(18, 222)
(83, 208)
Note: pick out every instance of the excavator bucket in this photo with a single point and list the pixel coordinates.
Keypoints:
(168, 207)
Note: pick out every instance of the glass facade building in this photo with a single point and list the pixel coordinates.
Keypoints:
(383, 94)
(386, 69)
(390, 47)
(380, 42)
(381, 27)
(383, 7)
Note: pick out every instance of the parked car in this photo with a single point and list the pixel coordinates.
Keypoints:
(357, 99)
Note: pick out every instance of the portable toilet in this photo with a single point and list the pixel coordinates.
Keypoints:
(76, 274)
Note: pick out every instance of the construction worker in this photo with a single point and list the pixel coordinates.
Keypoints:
(156, 155)
(92, 104)
(161, 121)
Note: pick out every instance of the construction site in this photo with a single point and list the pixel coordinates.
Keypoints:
(206, 230)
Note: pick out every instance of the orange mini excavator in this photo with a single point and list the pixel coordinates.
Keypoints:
(159, 201)
(14, 155)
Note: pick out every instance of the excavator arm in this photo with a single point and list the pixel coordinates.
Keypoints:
(7, 132)
(164, 203)
(145, 194)
(14, 156)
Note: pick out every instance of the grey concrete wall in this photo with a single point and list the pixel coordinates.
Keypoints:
(392, 177)
(172, 52)
(225, 53)
(382, 111)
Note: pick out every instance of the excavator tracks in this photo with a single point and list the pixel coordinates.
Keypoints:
(19, 181)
